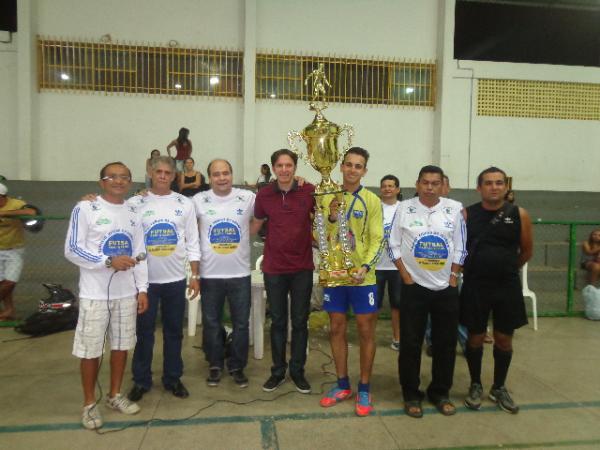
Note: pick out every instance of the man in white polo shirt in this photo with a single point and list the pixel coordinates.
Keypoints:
(428, 247)
(106, 241)
(225, 215)
(171, 234)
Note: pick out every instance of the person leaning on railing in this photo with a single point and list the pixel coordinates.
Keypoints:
(590, 257)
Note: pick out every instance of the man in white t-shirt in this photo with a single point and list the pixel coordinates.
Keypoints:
(428, 247)
(225, 221)
(171, 236)
(106, 241)
(386, 272)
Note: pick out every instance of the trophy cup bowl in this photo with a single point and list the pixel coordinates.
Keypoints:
(323, 154)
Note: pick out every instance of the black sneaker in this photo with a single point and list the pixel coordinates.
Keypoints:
(214, 376)
(239, 378)
(502, 398)
(273, 383)
(136, 393)
(302, 385)
(473, 400)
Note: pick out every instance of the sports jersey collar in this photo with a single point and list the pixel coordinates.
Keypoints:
(293, 188)
(360, 186)
(429, 208)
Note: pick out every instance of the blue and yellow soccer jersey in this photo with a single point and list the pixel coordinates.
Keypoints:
(365, 228)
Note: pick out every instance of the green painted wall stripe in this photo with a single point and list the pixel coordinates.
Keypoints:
(278, 418)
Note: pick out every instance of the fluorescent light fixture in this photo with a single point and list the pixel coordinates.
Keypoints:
(177, 85)
(213, 81)
(65, 76)
(273, 95)
(409, 90)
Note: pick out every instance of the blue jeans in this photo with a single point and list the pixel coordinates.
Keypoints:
(214, 292)
(299, 286)
(171, 297)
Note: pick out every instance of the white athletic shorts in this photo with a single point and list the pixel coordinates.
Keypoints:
(11, 264)
(94, 319)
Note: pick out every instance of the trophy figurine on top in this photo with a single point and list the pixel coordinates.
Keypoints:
(321, 138)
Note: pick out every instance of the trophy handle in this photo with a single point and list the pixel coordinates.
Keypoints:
(349, 129)
(293, 137)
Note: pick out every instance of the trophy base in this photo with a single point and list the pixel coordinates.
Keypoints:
(335, 278)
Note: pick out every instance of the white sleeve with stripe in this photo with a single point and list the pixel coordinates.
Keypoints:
(77, 249)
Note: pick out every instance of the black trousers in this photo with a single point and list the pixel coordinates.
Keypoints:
(299, 287)
(417, 303)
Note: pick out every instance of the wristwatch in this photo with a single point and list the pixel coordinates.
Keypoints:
(455, 274)
(108, 262)
(195, 277)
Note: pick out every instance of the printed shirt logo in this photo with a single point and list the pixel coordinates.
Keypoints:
(411, 210)
(95, 207)
(430, 251)
(358, 214)
(211, 212)
(178, 212)
(224, 236)
(161, 239)
(149, 213)
(103, 221)
(508, 220)
(448, 210)
(448, 224)
(117, 243)
(415, 223)
(240, 212)
(132, 209)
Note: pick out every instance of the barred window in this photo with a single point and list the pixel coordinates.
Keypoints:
(144, 69)
(352, 80)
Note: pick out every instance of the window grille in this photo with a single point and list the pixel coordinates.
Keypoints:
(538, 99)
(139, 69)
(281, 77)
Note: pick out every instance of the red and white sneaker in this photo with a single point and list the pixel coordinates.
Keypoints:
(364, 404)
(334, 396)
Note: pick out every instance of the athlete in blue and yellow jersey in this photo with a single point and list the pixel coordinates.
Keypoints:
(365, 235)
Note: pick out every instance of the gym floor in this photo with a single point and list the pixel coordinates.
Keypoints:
(554, 377)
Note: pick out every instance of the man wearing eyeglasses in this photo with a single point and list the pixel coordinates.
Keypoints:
(428, 246)
(106, 241)
(12, 243)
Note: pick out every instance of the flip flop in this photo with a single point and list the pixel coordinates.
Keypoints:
(413, 408)
(442, 404)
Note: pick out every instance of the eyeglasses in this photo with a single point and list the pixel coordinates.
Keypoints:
(116, 177)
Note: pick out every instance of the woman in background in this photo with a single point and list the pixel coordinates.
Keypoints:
(590, 257)
(183, 145)
(153, 155)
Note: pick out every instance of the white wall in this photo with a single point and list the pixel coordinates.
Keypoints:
(399, 140)
(540, 154)
(72, 134)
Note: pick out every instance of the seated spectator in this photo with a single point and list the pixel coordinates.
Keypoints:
(191, 181)
(153, 155)
(590, 257)
(263, 179)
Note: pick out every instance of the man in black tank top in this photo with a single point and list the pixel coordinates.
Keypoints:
(499, 242)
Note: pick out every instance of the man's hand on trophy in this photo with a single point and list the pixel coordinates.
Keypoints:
(333, 210)
(300, 180)
(359, 276)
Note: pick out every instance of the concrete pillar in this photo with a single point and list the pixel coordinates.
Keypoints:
(249, 120)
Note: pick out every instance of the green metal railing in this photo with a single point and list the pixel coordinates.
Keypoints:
(578, 231)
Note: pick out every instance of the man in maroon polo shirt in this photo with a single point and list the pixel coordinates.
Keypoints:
(287, 209)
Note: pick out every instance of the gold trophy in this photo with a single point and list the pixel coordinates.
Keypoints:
(321, 136)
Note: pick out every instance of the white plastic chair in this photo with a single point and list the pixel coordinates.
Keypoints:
(529, 293)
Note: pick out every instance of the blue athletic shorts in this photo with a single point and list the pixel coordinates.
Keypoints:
(362, 298)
